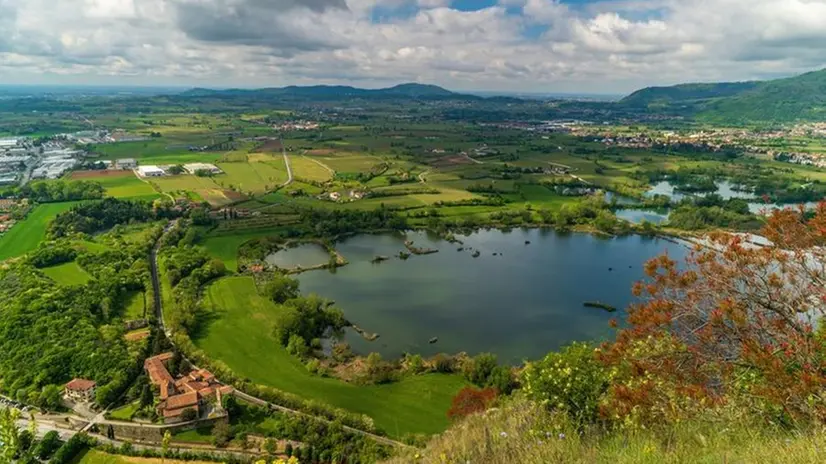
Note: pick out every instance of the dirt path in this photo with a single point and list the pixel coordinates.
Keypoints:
(328, 168)
(286, 163)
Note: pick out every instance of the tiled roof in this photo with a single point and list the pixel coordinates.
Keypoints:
(80, 385)
(182, 401)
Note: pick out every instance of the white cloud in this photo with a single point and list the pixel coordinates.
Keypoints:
(611, 45)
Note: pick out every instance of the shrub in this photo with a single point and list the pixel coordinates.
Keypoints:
(572, 380)
(469, 401)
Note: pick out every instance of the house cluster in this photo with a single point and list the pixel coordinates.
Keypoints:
(806, 159)
(296, 126)
(7, 208)
(160, 171)
(352, 195)
(20, 157)
(198, 391)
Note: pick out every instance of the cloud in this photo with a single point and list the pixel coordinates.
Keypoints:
(542, 45)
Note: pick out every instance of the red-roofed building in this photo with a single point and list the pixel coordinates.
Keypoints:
(81, 390)
(187, 392)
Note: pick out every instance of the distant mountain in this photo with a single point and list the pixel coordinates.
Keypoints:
(333, 92)
(801, 97)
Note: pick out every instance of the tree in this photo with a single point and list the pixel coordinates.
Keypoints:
(469, 401)
(281, 288)
(735, 322)
(189, 414)
(477, 370)
(167, 438)
(48, 445)
(146, 396)
(9, 434)
(221, 434)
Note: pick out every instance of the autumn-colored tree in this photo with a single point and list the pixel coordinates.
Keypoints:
(470, 400)
(733, 323)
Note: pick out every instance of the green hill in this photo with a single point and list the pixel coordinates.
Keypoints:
(801, 97)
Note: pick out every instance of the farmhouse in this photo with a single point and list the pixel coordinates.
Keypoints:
(81, 390)
(197, 391)
(126, 163)
(193, 168)
(151, 171)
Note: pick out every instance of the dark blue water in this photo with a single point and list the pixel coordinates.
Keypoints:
(519, 305)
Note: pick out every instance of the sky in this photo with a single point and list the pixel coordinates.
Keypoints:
(543, 46)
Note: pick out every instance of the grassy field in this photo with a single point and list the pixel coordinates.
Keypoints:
(28, 233)
(98, 457)
(310, 169)
(225, 247)
(127, 187)
(125, 413)
(194, 436)
(240, 334)
(67, 274)
(134, 308)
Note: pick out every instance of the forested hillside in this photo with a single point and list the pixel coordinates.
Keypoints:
(782, 100)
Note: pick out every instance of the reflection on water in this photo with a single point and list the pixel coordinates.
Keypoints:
(306, 255)
(519, 303)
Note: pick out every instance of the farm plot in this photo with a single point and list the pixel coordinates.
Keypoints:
(345, 162)
(311, 169)
(122, 184)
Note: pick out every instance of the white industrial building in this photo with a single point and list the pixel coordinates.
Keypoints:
(192, 168)
(8, 143)
(151, 171)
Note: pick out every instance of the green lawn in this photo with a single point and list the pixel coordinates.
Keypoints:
(28, 233)
(240, 334)
(67, 274)
(134, 308)
(225, 247)
(125, 413)
(202, 435)
(126, 187)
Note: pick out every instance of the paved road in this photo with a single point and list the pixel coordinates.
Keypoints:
(249, 398)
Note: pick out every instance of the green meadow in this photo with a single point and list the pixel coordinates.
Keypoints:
(239, 333)
(28, 233)
(67, 274)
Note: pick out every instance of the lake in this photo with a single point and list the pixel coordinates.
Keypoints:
(520, 304)
(304, 256)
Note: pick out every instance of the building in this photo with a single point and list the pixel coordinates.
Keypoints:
(151, 171)
(81, 390)
(196, 390)
(126, 163)
(193, 168)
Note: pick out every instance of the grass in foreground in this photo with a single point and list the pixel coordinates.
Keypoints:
(194, 436)
(240, 334)
(98, 457)
(28, 233)
(524, 432)
(67, 274)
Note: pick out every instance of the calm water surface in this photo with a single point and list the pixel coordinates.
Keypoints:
(305, 255)
(520, 304)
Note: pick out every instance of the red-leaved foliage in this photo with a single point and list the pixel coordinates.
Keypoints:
(470, 400)
(735, 318)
